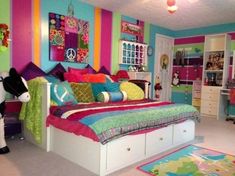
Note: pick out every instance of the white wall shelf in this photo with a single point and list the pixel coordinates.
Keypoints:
(133, 53)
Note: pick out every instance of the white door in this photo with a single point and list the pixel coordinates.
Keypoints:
(163, 65)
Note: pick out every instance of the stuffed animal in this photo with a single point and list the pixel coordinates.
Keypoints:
(176, 79)
(17, 86)
(157, 88)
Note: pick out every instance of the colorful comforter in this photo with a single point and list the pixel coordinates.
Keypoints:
(106, 121)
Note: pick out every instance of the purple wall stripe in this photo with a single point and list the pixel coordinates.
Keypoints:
(191, 61)
(21, 33)
(106, 39)
(190, 40)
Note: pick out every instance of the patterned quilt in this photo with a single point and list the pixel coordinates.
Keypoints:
(112, 120)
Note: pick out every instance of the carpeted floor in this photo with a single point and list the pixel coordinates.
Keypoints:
(27, 160)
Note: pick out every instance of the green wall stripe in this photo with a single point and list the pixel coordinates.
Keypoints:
(146, 32)
(116, 35)
(5, 18)
(232, 45)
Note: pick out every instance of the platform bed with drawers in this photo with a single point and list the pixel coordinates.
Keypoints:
(103, 158)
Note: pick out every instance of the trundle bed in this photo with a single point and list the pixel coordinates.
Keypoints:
(103, 159)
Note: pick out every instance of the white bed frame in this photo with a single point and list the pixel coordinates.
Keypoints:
(104, 159)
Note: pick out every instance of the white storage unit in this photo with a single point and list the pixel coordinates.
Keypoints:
(215, 74)
(133, 53)
(159, 140)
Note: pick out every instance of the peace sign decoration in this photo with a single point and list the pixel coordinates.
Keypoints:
(68, 39)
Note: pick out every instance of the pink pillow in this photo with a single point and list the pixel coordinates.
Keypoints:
(78, 70)
(70, 77)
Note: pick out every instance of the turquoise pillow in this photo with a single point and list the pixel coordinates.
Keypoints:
(52, 79)
(62, 94)
(111, 86)
(97, 88)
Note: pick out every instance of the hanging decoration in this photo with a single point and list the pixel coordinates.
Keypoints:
(69, 38)
(164, 60)
(171, 6)
(4, 37)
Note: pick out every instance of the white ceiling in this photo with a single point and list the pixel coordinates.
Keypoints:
(190, 13)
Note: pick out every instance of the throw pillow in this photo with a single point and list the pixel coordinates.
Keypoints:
(32, 71)
(91, 70)
(112, 96)
(111, 86)
(133, 91)
(58, 71)
(79, 71)
(62, 94)
(70, 77)
(104, 70)
(97, 88)
(83, 92)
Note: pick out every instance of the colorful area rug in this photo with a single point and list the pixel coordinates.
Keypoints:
(192, 161)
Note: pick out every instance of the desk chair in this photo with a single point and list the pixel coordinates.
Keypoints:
(231, 102)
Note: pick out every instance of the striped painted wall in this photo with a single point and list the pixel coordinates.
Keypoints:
(5, 18)
(28, 20)
(189, 68)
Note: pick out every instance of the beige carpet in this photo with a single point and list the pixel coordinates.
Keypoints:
(27, 160)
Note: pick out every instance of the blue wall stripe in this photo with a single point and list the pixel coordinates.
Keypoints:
(205, 30)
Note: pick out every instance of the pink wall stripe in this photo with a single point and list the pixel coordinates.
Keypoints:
(190, 40)
(21, 33)
(106, 39)
(141, 24)
(232, 35)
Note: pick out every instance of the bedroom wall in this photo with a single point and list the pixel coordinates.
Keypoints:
(29, 33)
(5, 18)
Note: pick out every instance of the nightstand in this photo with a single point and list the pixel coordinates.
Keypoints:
(12, 122)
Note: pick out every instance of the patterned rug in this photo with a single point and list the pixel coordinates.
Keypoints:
(192, 161)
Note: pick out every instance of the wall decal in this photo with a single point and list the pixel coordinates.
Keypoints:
(68, 39)
(132, 29)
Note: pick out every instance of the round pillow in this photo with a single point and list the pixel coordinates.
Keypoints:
(112, 96)
(133, 91)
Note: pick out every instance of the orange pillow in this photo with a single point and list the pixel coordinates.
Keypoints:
(94, 78)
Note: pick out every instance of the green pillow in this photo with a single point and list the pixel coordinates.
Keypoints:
(133, 91)
(62, 94)
(83, 92)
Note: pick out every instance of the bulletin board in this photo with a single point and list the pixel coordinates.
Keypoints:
(68, 39)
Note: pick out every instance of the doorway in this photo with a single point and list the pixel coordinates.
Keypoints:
(163, 65)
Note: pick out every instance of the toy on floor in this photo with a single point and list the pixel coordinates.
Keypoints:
(17, 86)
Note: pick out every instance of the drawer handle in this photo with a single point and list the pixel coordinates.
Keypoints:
(184, 131)
(161, 139)
(128, 149)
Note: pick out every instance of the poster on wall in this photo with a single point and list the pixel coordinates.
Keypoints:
(132, 29)
(68, 39)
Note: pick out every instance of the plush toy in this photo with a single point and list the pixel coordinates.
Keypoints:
(176, 79)
(157, 88)
(17, 86)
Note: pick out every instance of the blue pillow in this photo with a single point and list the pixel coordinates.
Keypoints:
(112, 96)
(62, 94)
